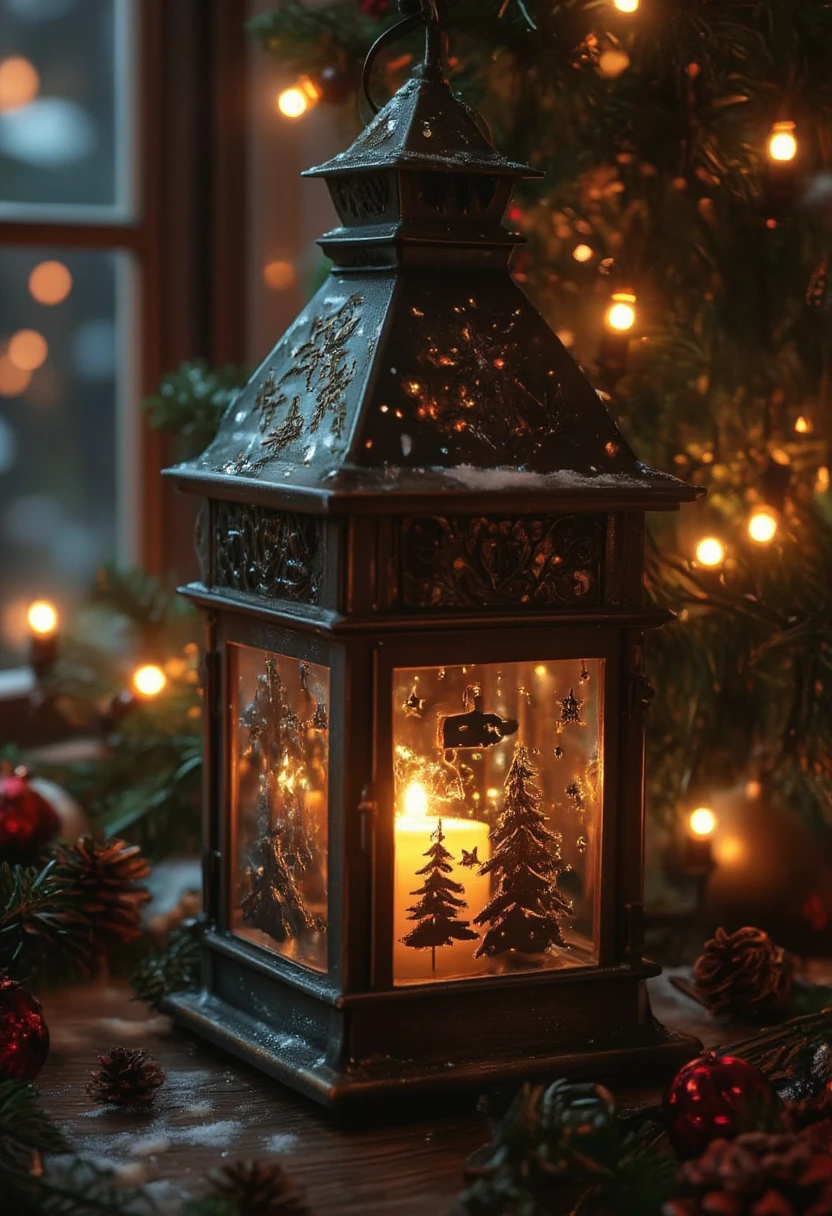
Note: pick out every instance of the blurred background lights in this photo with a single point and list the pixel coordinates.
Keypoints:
(149, 680)
(295, 101)
(702, 822)
(13, 380)
(48, 132)
(279, 275)
(582, 253)
(627, 6)
(782, 142)
(19, 82)
(42, 617)
(762, 526)
(50, 283)
(27, 349)
(803, 425)
(710, 551)
(621, 314)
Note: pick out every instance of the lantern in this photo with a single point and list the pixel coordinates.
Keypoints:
(422, 556)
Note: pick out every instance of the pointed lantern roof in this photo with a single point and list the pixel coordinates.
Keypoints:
(420, 369)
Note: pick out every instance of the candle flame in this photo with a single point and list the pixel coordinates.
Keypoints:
(703, 822)
(415, 803)
(43, 618)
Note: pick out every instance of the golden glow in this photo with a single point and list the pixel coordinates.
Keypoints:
(43, 618)
(822, 480)
(13, 380)
(702, 822)
(294, 102)
(19, 82)
(621, 314)
(582, 253)
(50, 283)
(627, 6)
(710, 551)
(540, 670)
(730, 851)
(762, 526)
(149, 680)
(803, 426)
(782, 143)
(27, 349)
(416, 802)
(279, 276)
(493, 794)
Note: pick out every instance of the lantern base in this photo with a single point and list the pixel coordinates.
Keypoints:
(370, 1089)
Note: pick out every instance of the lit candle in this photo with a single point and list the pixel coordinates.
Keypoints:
(413, 839)
(43, 625)
(699, 856)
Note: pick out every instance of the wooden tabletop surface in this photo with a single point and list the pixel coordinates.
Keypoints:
(213, 1110)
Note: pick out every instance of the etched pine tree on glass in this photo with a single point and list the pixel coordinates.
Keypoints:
(437, 912)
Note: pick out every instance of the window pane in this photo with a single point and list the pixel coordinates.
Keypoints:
(65, 101)
(62, 379)
(280, 782)
(498, 786)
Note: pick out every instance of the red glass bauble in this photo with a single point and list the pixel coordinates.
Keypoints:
(714, 1096)
(374, 8)
(24, 1038)
(27, 820)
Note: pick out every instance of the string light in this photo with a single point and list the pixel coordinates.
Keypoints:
(803, 425)
(702, 822)
(19, 82)
(627, 6)
(50, 283)
(782, 142)
(295, 101)
(582, 253)
(762, 526)
(149, 680)
(621, 314)
(279, 275)
(822, 480)
(27, 350)
(710, 552)
(43, 618)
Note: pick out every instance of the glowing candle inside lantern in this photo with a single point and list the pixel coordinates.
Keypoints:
(414, 828)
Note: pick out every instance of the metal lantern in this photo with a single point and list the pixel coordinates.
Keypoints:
(422, 559)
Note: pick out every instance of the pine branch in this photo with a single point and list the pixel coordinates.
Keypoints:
(189, 403)
(172, 968)
(39, 917)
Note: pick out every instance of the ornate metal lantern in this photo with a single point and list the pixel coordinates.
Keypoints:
(422, 558)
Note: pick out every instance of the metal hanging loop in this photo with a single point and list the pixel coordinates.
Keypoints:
(431, 14)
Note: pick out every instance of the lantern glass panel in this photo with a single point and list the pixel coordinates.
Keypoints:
(279, 781)
(498, 787)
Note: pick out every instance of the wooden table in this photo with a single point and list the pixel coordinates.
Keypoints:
(213, 1110)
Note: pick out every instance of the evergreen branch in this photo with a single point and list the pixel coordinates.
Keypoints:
(172, 968)
(38, 916)
(189, 403)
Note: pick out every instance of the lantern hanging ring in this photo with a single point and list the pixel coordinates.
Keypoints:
(431, 14)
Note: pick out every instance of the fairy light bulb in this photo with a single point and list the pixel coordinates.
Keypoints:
(43, 618)
(710, 552)
(582, 253)
(627, 6)
(621, 314)
(702, 822)
(782, 142)
(762, 526)
(295, 101)
(149, 680)
(803, 425)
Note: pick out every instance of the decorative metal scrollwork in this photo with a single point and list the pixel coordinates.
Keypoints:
(473, 562)
(278, 554)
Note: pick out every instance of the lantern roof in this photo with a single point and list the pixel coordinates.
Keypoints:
(420, 369)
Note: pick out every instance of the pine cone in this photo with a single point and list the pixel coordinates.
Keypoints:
(743, 974)
(103, 873)
(126, 1078)
(756, 1175)
(259, 1189)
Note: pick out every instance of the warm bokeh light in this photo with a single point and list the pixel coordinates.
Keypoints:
(279, 276)
(803, 425)
(13, 380)
(416, 801)
(782, 143)
(540, 670)
(149, 680)
(710, 551)
(27, 349)
(50, 283)
(295, 101)
(612, 62)
(762, 526)
(822, 480)
(43, 618)
(702, 822)
(621, 314)
(19, 82)
(627, 6)
(582, 253)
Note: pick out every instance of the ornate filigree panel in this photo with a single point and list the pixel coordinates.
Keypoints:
(542, 561)
(278, 554)
(361, 196)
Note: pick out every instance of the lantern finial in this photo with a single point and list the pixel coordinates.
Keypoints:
(431, 14)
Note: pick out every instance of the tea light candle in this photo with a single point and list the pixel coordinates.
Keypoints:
(413, 839)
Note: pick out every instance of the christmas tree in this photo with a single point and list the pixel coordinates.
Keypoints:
(674, 180)
(526, 912)
(437, 911)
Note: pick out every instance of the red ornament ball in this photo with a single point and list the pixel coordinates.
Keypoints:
(27, 820)
(24, 1037)
(374, 8)
(714, 1097)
